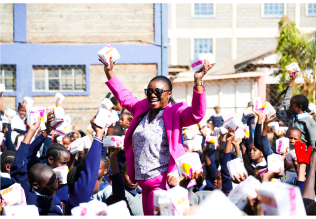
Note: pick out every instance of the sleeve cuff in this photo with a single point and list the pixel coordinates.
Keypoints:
(97, 139)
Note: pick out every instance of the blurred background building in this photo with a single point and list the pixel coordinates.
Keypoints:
(49, 48)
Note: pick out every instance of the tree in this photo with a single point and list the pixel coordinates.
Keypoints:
(295, 46)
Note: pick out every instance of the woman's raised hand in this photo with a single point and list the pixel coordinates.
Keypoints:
(108, 69)
(200, 74)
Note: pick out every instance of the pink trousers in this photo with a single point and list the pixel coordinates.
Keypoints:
(148, 188)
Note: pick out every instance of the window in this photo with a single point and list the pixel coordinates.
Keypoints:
(59, 78)
(204, 10)
(311, 9)
(203, 46)
(273, 10)
(8, 77)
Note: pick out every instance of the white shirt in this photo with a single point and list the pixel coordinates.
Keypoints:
(17, 123)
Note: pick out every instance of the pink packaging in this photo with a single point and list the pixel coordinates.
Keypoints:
(263, 171)
(87, 142)
(281, 199)
(232, 124)
(273, 125)
(275, 162)
(257, 103)
(291, 155)
(14, 195)
(32, 114)
(282, 145)
(76, 146)
(267, 109)
(282, 131)
(107, 104)
(110, 141)
(198, 62)
(293, 69)
(92, 208)
(187, 163)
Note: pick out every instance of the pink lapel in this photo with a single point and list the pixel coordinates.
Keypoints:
(167, 117)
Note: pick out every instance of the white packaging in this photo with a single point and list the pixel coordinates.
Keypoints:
(63, 129)
(219, 204)
(291, 155)
(21, 211)
(92, 208)
(60, 139)
(10, 113)
(108, 52)
(157, 194)
(2, 88)
(312, 107)
(282, 145)
(59, 97)
(198, 142)
(236, 168)
(67, 119)
(76, 146)
(42, 126)
(174, 202)
(267, 109)
(211, 142)
(90, 129)
(103, 118)
(110, 141)
(232, 124)
(87, 142)
(189, 145)
(239, 134)
(273, 125)
(59, 114)
(107, 104)
(248, 112)
(188, 163)
(118, 210)
(293, 69)
(187, 135)
(281, 199)
(208, 131)
(244, 189)
(257, 103)
(283, 130)
(223, 130)
(275, 162)
(114, 117)
(61, 173)
(50, 109)
(32, 114)
(1, 137)
(245, 128)
(217, 131)
(198, 62)
(28, 102)
(14, 195)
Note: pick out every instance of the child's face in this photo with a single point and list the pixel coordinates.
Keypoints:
(218, 181)
(22, 112)
(210, 126)
(102, 170)
(254, 154)
(110, 132)
(294, 136)
(47, 183)
(217, 110)
(294, 108)
(66, 142)
(62, 160)
(75, 136)
(124, 122)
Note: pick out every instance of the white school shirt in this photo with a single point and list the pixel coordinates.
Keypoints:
(17, 123)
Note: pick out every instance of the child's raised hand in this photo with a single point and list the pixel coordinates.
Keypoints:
(200, 74)
(268, 120)
(50, 118)
(292, 80)
(239, 179)
(113, 153)
(230, 136)
(35, 126)
(98, 130)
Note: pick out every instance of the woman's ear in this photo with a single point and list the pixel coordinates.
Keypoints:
(50, 160)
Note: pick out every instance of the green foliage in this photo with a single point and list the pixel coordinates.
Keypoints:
(295, 46)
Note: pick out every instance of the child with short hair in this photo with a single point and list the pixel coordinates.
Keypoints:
(7, 159)
(217, 119)
(297, 111)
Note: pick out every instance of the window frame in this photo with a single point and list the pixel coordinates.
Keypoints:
(274, 15)
(47, 78)
(203, 16)
(3, 78)
(213, 41)
(310, 15)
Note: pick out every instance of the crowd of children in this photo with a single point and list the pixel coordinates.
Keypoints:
(232, 167)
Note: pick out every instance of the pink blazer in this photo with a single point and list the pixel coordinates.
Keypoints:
(175, 117)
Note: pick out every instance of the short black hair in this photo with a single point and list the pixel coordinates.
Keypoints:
(105, 161)
(294, 129)
(73, 176)
(35, 172)
(4, 126)
(7, 157)
(55, 150)
(20, 106)
(127, 113)
(301, 100)
(117, 131)
(114, 100)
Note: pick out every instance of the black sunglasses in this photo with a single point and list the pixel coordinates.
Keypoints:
(158, 92)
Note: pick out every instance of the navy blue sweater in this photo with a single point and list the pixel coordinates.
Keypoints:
(19, 175)
(8, 141)
(84, 186)
(227, 185)
(217, 121)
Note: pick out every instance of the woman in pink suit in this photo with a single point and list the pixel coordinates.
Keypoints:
(153, 139)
